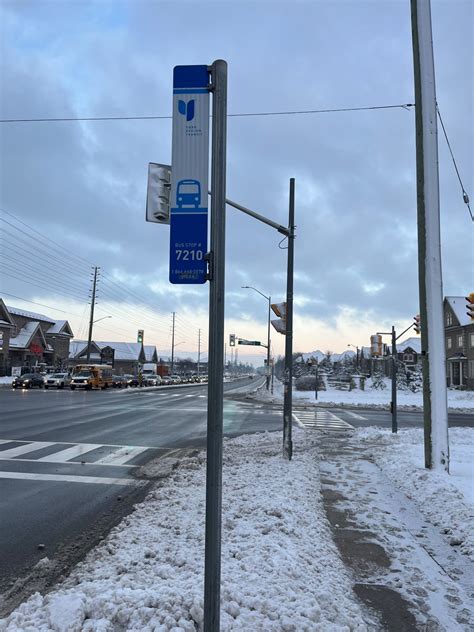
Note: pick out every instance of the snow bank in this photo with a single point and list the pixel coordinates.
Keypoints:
(371, 397)
(446, 500)
(6, 380)
(280, 568)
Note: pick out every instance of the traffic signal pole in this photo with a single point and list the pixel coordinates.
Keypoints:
(288, 382)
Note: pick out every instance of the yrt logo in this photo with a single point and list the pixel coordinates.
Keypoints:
(186, 109)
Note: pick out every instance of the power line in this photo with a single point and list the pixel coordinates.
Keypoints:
(26, 300)
(41, 235)
(465, 196)
(241, 114)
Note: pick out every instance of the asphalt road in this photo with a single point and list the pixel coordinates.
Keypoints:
(70, 462)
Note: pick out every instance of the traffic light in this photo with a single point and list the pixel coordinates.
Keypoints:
(280, 322)
(140, 336)
(232, 340)
(417, 323)
(376, 346)
(470, 305)
(158, 193)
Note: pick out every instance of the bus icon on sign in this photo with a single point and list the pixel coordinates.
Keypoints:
(188, 193)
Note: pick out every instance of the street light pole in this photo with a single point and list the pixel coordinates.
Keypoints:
(269, 299)
(288, 393)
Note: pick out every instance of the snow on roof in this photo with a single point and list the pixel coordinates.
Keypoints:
(25, 335)
(123, 350)
(458, 305)
(412, 343)
(34, 315)
(58, 327)
(150, 351)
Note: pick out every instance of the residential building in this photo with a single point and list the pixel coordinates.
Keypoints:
(459, 341)
(125, 357)
(29, 339)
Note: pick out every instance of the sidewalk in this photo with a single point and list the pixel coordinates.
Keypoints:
(404, 566)
(347, 551)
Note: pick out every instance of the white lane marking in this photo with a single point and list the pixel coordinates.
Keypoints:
(323, 420)
(67, 478)
(121, 456)
(298, 421)
(355, 415)
(24, 449)
(97, 445)
(69, 453)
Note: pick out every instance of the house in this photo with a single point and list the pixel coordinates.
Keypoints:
(409, 352)
(29, 339)
(150, 354)
(459, 341)
(125, 357)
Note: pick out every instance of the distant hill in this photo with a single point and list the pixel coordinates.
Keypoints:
(335, 357)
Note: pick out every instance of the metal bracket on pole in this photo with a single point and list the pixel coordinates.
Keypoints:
(210, 266)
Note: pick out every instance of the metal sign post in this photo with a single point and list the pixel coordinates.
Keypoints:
(212, 570)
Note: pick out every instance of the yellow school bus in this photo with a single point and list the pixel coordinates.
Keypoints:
(89, 376)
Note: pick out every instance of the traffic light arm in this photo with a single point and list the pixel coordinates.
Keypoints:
(405, 331)
(261, 218)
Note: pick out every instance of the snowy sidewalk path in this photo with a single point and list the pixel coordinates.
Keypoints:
(401, 565)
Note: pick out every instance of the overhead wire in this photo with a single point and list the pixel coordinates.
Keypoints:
(464, 193)
(70, 119)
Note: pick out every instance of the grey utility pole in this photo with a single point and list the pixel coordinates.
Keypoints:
(288, 382)
(199, 352)
(172, 344)
(212, 568)
(91, 320)
(394, 381)
(433, 354)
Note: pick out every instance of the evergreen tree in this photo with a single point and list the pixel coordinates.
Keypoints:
(402, 376)
(378, 381)
(415, 382)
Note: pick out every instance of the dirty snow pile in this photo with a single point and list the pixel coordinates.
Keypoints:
(280, 568)
(446, 500)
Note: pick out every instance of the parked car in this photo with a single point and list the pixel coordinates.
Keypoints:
(131, 380)
(119, 381)
(57, 380)
(28, 380)
(151, 380)
(166, 380)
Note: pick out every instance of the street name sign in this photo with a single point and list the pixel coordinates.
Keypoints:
(254, 343)
(189, 175)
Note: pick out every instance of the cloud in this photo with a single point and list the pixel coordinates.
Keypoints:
(84, 184)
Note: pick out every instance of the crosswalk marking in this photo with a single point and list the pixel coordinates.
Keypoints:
(322, 420)
(69, 453)
(24, 449)
(355, 415)
(120, 456)
(68, 478)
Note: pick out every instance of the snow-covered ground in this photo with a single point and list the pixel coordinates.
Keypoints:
(463, 400)
(280, 568)
(6, 380)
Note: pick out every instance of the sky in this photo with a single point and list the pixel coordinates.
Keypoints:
(73, 193)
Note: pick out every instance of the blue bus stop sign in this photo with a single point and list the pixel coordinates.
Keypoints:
(189, 175)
